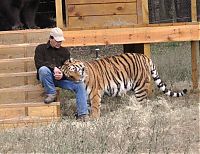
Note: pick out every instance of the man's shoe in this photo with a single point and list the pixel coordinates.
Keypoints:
(50, 98)
(83, 118)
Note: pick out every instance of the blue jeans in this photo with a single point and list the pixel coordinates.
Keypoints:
(49, 83)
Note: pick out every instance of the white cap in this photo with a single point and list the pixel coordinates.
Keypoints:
(57, 33)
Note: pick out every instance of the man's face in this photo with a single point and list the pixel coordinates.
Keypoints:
(54, 43)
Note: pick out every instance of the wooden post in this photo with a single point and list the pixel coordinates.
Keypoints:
(147, 46)
(59, 15)
(143, 19)
(194, 10)
(194, 49)
(195, 57)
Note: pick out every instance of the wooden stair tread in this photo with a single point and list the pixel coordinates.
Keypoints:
(25, 88)
(24, 36)
(24, 59)
(18, 74)
(19, 45)
(28, 119)
(30, 104)
(26, 31)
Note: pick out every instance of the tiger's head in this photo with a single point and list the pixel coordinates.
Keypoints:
(74, 70)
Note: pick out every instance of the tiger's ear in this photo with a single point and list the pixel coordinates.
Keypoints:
(71, 60)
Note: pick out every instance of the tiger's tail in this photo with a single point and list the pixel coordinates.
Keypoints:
(162, 86)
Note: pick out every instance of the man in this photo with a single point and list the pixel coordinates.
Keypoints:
(48, 59)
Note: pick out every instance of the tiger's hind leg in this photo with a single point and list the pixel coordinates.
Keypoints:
(141, 94)
(95, 106)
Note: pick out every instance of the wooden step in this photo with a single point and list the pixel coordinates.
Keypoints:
(8, 80)
(28, 121)
(34, 109)
(25, 88)
(24, 36)
(33, 104)
(31, 114)
(22, 94)
(17, 50)
(16, 65)
(15, 60)
(20, 74)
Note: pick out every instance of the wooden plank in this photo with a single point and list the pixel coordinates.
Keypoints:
(139, 12)
(195, 67)
(35, 96)
(6, 126)
(59, 15)
(20, 45)
(30, 104)
(24, 95)
(15, 60)
(12, 67)
(43, 111)
(17, 50)
(24, 36)
(153, 34)
(194, 10)
(12, 97)
(29, 119)
(147, 52)
(9, 53)
(102, 21)
(145, 11)
(66, 14)
(20, 97)
(102, 9)
(16, 65)
(6, 113)
(7, 82)
(97, 1)
(3, 75)
(194, 49)
(22, 88)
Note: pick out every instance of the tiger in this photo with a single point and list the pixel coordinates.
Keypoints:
(115, 75)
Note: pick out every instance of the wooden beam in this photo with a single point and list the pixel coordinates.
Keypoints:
(151, 34)
(195, 65)
(98, 1)
(194, 10)
(145, 11)
(194, 49)
(59, 15)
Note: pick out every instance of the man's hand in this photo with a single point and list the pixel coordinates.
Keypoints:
(57, 73)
